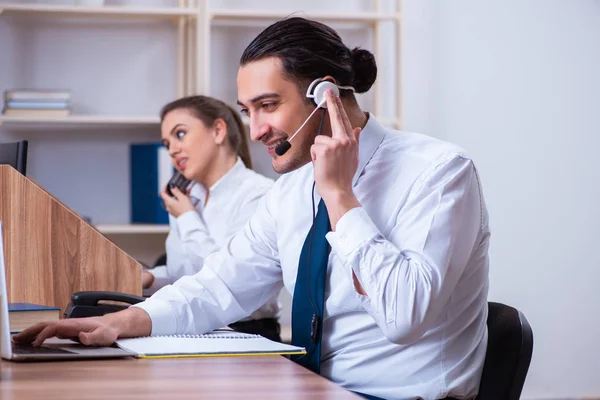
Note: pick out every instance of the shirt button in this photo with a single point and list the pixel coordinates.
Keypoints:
(343, 240)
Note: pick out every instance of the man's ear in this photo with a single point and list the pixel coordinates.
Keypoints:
(219, 131)
(330, 79)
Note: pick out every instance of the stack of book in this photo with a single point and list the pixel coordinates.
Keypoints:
(36, 103)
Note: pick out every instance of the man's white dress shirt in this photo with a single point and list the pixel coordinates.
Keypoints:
(197, 233)
(418, 245)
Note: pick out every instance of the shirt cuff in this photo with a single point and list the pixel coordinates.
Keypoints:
(352, 230)
(161, 278)
(188, 222)
(164, 321)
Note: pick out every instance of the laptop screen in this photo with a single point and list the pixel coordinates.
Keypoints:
(5, 345)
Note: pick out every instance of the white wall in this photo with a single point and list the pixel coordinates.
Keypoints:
(517, 84)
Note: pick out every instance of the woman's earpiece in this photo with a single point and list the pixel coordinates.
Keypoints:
(316, 91)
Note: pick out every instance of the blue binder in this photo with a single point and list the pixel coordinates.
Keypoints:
(151, 168)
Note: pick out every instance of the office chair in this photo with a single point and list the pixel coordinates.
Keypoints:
(15, 155)
(161, 260)
(509, 350)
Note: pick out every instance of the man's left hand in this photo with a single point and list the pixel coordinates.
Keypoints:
(335, 161)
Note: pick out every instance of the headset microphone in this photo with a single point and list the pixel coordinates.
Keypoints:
(282, 148)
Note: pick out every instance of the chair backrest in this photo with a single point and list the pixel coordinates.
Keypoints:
(15, 155)
(509, 350)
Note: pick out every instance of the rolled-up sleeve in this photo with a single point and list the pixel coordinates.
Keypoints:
(409, 275)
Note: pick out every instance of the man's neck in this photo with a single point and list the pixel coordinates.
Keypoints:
(358, 118)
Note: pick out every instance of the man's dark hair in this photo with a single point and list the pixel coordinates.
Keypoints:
(309, 50)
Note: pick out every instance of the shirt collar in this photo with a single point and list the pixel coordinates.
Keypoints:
(370, 138)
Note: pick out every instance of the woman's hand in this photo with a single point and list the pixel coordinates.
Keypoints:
(179, 204)
(147, 279)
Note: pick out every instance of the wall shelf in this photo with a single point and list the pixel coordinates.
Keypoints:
(132, 229)
(78, 121)
(90, 121)
(250, 15)
(87, 11)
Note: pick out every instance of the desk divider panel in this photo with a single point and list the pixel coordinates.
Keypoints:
(51, 252)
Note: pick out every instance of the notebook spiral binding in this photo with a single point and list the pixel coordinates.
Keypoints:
(232, 335)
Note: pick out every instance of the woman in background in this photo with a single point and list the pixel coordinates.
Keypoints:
(207, 144)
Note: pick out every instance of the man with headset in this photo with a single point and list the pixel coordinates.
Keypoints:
(381, 236)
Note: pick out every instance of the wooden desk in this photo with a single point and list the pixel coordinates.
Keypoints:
(273, 377)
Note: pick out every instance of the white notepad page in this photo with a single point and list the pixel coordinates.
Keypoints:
(218, 343)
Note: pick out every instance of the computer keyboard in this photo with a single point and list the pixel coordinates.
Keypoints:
(29, 349)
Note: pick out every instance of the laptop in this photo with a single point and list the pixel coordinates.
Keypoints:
(52, 349)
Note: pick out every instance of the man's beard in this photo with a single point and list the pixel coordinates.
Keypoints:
(301, 155)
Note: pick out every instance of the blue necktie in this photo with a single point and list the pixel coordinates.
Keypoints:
(307, 316)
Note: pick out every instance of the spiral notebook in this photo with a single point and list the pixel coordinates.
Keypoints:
(217, 343)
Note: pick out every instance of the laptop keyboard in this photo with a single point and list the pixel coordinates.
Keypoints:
(29, 349)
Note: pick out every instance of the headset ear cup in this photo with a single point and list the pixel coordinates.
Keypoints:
(320, 89)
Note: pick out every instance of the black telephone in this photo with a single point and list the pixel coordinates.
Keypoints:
(93, 303)
(179, 181)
